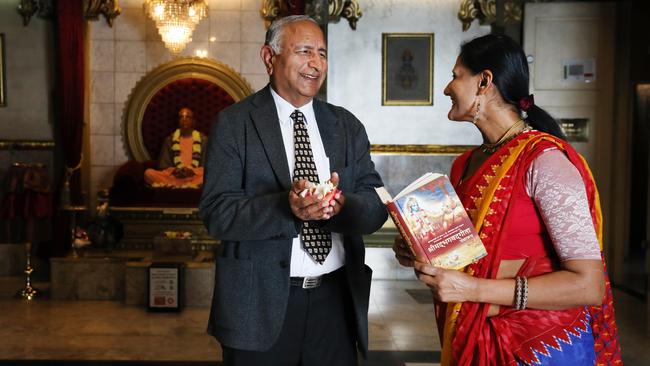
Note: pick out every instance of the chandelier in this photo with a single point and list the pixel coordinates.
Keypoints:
(176, 20)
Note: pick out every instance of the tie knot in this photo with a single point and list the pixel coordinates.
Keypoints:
(297, 116)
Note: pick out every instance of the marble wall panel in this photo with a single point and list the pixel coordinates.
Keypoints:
(102, 56)
(257, 81)
(131, 4)
(156, 54)
(202, 32)
(228, 53)
(251, 5)
(252, 29)
(118, 112)
(135, 288)
(102, 118)
(251, 62)
(225, 25)
(124, 83)
(226, 4)
(130, 56)
(102, 150)
(87, 279)
(102, 87)
(192, 48)
(130, 25)
(121, 155)
(100, 30)
(199, 284)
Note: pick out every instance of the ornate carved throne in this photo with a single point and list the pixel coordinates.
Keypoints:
(150, 115)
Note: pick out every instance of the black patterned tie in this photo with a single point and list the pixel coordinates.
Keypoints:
(316, 241)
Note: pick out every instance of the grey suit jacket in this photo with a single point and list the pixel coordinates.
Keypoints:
(245, 205)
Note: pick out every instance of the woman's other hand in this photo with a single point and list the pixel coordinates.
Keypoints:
(448, 285)
(402, 252)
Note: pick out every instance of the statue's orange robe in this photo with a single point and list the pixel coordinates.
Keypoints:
(166, 178)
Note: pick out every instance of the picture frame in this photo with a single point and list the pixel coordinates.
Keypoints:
(3, 97)
(407, 69)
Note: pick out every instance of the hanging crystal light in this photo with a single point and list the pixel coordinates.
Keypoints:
(176, 20)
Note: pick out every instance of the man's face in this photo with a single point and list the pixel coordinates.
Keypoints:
(185, 119)
(298, 72)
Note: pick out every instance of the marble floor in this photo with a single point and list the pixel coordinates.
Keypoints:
(55, 332)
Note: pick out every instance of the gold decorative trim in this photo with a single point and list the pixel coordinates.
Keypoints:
(351, 12)
(420, 149)
(27, 9)
(3, 99)
(337, 9)
(192, 67)
(271, 10)
(110, 9)
(486, 11)
(26, 145)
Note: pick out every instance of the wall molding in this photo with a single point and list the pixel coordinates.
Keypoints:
(27, 145)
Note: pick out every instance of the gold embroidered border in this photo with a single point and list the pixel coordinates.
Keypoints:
(420, 149)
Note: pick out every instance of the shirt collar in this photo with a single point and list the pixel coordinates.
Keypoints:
(285, 109)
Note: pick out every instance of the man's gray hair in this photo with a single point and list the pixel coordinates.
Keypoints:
(274, 33)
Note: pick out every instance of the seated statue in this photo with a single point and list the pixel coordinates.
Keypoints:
(180, 164)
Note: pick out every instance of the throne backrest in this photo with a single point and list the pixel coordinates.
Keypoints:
(151, 113)
(203, 97)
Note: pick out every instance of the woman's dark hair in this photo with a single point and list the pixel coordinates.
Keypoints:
(507, 61)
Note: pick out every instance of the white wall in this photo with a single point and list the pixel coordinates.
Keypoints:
(29, 61)
(354, 79)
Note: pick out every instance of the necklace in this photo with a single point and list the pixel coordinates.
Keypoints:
(514, 130)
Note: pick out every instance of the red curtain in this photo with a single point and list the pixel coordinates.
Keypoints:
(69, 101)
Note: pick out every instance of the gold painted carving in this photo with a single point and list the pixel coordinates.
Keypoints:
(200, 68)
(337, 9)
(92, 9)
(486, 11)
(348, 9)
(110, 9)
(420, 149)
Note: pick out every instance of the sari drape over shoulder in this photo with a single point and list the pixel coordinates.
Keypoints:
(492, 196)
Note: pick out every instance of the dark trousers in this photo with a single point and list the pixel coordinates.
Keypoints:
(319, 329)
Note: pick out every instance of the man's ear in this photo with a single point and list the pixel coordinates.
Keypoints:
(267, 54)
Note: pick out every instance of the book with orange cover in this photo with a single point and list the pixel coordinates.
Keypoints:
(433, 222)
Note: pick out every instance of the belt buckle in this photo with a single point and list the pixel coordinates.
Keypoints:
(310, 282)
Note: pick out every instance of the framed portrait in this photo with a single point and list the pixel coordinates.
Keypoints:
(3, 98)
(407, 69)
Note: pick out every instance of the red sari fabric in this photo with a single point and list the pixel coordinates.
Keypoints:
(514, 336)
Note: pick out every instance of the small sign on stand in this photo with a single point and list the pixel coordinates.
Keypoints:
(166, 286)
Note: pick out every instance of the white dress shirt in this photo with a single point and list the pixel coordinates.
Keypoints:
(302, 265)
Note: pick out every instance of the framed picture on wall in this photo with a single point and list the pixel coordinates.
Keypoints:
(407, 69)
(3, 99)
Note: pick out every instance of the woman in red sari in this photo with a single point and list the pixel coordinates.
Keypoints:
(541, 295)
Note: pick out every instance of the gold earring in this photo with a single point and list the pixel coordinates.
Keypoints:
(478, 110)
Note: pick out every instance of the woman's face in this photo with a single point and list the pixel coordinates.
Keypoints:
(462, 89)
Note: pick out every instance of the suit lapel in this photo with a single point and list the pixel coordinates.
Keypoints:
(331, 134)
(265, 119)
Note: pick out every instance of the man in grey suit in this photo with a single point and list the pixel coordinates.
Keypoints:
(291, 284)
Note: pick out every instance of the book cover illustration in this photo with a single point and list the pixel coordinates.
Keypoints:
(435, 223)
